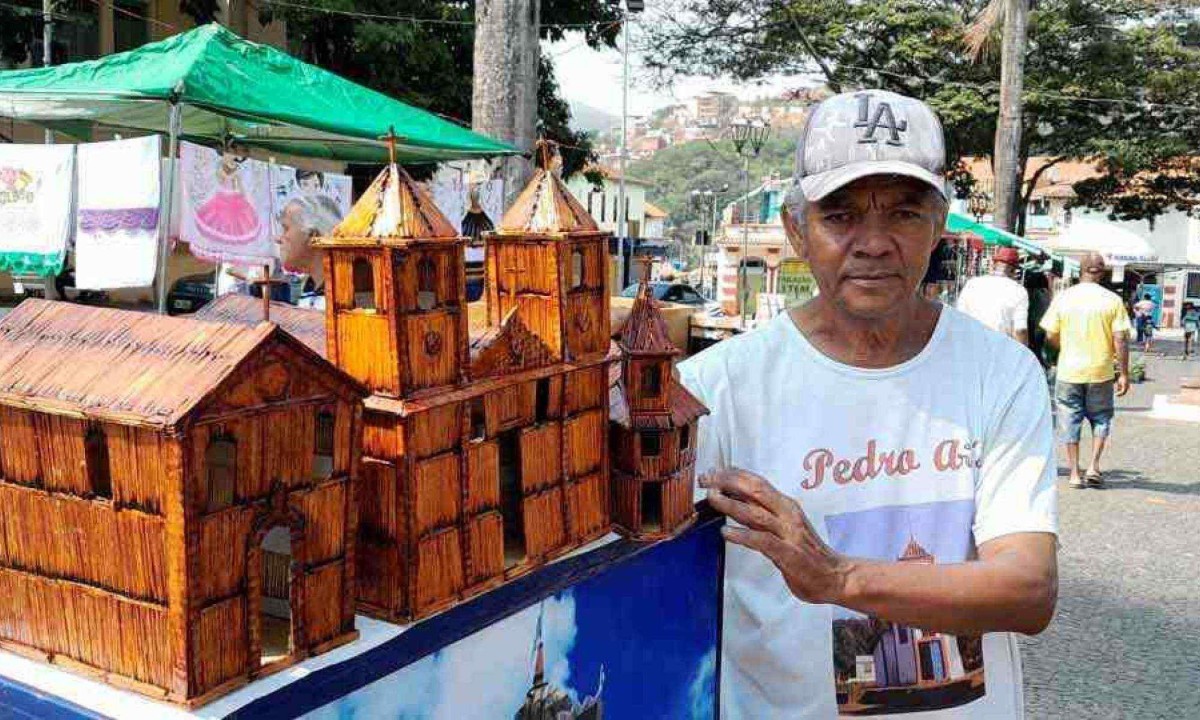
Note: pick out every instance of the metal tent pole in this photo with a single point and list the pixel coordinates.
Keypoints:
(47, 44)
(164, 215)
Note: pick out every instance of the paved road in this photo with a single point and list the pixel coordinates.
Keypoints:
(1126, 639)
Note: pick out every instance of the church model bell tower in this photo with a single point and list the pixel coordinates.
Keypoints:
(395, 295)
(550, 259)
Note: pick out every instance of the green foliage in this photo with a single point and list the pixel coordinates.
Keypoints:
(676, 171)
(1080, 51)
(429, 65)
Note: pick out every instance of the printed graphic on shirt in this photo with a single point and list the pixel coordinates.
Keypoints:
(882, 668)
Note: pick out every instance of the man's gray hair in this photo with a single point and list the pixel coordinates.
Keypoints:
(318, 214)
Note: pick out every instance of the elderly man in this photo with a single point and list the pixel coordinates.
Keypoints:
(1090, 327)
(886, 463)
(997, 300)
(302, 219)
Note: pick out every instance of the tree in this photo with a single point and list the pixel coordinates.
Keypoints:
(674, 172)
(1112, 80)
(1014, 15)
(426, 62)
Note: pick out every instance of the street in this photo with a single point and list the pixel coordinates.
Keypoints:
(1125, 642)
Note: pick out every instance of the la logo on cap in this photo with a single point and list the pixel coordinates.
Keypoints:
(882, 116)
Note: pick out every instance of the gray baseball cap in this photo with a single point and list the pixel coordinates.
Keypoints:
(869, 132)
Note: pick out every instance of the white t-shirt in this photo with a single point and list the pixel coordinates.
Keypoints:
(999, 302)
(920, 462)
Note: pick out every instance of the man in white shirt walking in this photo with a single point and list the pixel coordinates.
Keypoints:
(997, 300)
(886, 463)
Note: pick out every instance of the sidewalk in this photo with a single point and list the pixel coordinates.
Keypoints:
(1126, 639)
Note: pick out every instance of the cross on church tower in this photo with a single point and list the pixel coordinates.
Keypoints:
(390, 138)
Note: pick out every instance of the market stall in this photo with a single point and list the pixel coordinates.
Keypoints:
(212, 87)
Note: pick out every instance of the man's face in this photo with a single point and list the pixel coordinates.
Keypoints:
(294, 252)
(868, 244)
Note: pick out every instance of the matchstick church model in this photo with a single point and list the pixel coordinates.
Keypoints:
(187, 504)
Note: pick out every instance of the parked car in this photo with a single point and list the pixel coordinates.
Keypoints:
(670, 292)
(190, 293)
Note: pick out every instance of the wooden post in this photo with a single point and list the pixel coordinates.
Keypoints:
(266, 293)
(1008, 125)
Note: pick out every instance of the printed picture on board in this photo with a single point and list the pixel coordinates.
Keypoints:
(331, 191)
(621, 644)
(884, 668)
(226, 206)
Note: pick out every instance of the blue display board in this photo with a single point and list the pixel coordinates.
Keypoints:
(619, 631)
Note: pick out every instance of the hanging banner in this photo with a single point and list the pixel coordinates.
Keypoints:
(119, 195)
(289, 183)
(468, 200)
(36, 183)
(225, 213)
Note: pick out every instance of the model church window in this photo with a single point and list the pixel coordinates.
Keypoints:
(323, 445)
(651, 444)
(651, 380)
(542, 404)
(364, 285)
(685, 437)
(426, 283)
(221, 461)
(96, 456)
(478, 418)
(576, 269)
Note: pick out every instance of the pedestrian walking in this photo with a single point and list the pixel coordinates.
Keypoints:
(997, 300)
(887, 463)
(1090, 326)
(1143, 313)
(1191, 325)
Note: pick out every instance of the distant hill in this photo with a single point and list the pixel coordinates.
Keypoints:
(589, 119)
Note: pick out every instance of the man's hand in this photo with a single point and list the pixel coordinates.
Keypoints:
(1122, 385)
(777, 527)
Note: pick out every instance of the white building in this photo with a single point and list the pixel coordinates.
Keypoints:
(602, 203)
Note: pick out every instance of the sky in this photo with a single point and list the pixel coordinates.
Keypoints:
(594, 78)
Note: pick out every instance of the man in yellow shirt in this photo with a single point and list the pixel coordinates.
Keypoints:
(1089, 324)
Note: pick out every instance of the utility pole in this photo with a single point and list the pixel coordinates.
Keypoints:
(1008, 125)
(504, 98)
(622, 200)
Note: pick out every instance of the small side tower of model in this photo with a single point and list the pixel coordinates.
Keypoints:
(653, 420)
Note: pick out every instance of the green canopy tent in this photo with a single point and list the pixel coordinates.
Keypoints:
(958, 223)
(212, 87)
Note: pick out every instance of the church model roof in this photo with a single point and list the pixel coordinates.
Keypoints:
(394, 210)
(126, 367)
(545, 206)
(645, 331)
(304, 324)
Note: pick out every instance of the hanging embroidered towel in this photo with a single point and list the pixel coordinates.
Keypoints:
(35, 207)
(119, 195)
(226, 207)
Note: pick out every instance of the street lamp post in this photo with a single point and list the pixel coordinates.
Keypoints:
(628, 8)
(749, 136)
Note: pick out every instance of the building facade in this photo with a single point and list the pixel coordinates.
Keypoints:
(485, 453)
(178, 498)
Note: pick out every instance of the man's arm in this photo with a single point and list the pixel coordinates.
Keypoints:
(1121, 343)
(1013, 586)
